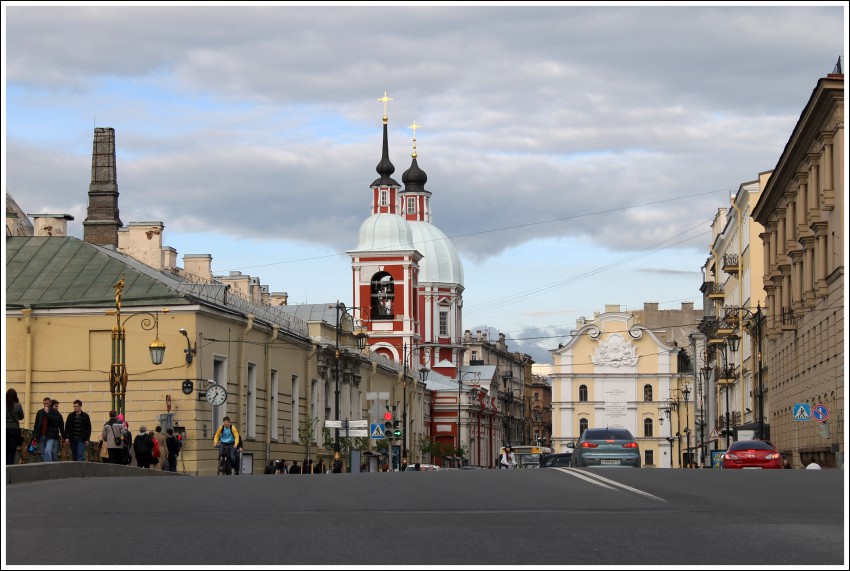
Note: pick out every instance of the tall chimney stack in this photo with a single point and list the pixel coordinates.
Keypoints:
(102, 223)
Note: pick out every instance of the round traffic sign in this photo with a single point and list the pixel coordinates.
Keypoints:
(820, 412)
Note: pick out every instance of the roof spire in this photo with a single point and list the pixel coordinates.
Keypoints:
(385, 168)
(414, 178)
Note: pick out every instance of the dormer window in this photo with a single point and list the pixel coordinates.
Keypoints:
(384, 197)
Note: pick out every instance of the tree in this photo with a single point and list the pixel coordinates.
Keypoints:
(307, 430)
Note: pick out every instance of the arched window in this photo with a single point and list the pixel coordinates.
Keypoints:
(647, 393)
(582, 426)
(647, 427)
(582, 393)
(383, 296)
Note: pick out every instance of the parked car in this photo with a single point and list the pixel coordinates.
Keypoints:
(561, 459)
(752, 454)
(605, 447)
(423, 468)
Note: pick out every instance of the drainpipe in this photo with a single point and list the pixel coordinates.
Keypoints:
(27, 314)
(240, 374)
(268, 378)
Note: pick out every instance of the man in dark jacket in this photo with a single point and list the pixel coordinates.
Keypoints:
(173, 447)
(78, 431)
(48, 428)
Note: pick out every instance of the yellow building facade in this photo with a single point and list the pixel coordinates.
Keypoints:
(613, 372)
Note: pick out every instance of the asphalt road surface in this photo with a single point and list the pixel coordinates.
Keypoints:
(558, 516)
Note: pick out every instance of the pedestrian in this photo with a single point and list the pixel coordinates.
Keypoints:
(319, 468)
(284, 466)
(14, 416)
(113, 434)
(295, 468)
(78, 431)
(173, 447)
(270, 467)
(160, 459)
(57, 444)
(128, 453)
(337, 466)
(48, 428)
(507, 460)
(786, 464)
(307, 466)
(143, 447)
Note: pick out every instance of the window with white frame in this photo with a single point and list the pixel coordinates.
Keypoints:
(295, 417)
(648, 458)
(444, 322)
(252, 401)
(273, 413)
(411, 205)
(384, 197)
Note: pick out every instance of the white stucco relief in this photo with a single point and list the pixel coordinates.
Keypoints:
(615, 351)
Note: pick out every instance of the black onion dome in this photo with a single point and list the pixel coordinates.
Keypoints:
(385, 168)
(414, 178)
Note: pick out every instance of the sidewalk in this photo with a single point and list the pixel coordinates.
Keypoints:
(36, 472)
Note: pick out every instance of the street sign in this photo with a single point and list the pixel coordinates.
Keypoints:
(714, 435)
(802, 411)
(357, 433)
(358, 423)
(377, 396)
(333, 424)
(820, 412)
(376, 431)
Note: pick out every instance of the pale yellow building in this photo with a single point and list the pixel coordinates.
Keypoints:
(803, 211)
(613, 372)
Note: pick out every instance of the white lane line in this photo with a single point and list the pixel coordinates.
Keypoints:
(598, 480)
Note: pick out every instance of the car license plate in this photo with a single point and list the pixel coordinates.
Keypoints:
(609, 461)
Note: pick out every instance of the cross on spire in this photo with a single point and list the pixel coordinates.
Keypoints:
(414, 127)
(385, 99)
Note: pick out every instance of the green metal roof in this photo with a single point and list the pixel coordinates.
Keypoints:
(43, 272)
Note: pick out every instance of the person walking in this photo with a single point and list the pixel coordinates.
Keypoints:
(113, 434)
(319, 468)
(173, 447)
(78, 431)
(14, 416)
(48, 428)
(295, 468)
(143, 447)
(159, 462)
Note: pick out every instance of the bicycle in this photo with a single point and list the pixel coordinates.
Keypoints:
(224, 464)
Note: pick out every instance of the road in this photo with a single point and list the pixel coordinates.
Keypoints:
(559, 516)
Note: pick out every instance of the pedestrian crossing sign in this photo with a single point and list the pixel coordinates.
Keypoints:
(802, 411)
(376, 431)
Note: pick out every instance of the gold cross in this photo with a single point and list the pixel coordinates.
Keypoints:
(385, 99)
(414, 127)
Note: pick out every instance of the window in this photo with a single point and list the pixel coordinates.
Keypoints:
(648, 458)
(327, 401)
(582, 393)
(383, 296)
(252, 401)
(444, 323)
(384, 197)
(647, 393)
(411, 205)
(582, 426)
(273, 413)
(295, 416)
(647, 427)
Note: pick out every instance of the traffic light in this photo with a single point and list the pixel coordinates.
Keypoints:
(180, 435)
(397, 429)
(388, 424)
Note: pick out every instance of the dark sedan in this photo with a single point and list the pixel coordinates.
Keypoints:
(752, 454)
(560, 460)
(605, 447)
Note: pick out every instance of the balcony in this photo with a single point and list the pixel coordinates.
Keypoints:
(731, 264)
(716, 292)
(788, 319)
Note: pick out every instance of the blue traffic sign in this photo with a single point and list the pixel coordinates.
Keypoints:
(802, 411)
(820, 412)
(376, 431)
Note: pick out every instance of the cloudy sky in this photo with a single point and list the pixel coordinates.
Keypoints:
(576, 154)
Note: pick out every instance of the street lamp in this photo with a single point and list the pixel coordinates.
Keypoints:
(423, 376)
(666, 409)
(687, 391)
(722, 347)
(118, 371)
(733, 346)
(360, 339)
(705, 375)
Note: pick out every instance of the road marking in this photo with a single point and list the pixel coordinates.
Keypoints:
(598, 480)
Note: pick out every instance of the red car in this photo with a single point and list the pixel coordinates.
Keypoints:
(752, 454)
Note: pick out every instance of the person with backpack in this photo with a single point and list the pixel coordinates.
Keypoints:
(173, 446)
(143, 446)
(113, 434)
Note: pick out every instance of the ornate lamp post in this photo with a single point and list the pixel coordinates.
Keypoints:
(423, 376)
(118, 371)
(734, 341)
(705, 375)
(687, 391)
(360, 339)
(665, 411)
(459, 386)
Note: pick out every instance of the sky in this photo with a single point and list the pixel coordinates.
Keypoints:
(576, 154)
